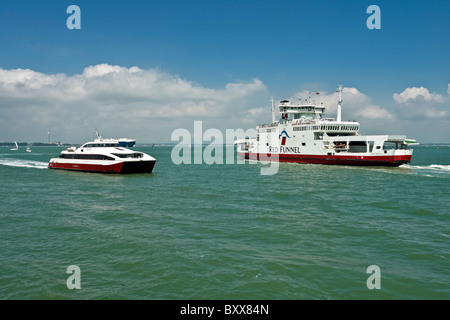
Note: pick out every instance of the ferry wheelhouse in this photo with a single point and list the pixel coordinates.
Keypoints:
(104, 157)
(303, 135)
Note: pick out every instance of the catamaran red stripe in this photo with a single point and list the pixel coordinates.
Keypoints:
(116, 167)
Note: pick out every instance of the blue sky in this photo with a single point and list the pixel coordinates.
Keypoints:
(223, 61)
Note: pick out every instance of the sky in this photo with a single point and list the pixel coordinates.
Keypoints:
(142, 69)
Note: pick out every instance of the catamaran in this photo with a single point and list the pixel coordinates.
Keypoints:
(105, 157)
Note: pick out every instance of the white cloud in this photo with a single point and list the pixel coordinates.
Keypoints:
(414, 93)
(419, 103)
(257, 112)
(374, 112)
(355, 104)
(115, 97)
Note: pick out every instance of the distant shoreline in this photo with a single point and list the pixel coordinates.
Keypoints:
(34, 144)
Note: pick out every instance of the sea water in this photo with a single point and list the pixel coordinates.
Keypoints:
(198, 231)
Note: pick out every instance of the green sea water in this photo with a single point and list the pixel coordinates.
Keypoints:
(225, 231)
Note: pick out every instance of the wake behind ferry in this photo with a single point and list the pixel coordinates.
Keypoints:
(105, 157)
(302, 135)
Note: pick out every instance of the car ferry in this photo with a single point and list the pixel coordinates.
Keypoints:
(123, 142)
(303, 135)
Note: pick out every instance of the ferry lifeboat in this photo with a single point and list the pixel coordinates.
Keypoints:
(103, 157)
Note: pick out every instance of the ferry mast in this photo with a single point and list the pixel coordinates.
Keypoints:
(338, 116)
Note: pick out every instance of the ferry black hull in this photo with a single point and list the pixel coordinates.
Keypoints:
(126, 167)
(389, 161)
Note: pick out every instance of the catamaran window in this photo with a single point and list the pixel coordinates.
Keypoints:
(100, 145)
(129, 155)
(85, 156)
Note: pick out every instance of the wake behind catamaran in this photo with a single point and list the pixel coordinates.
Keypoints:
(302, 135)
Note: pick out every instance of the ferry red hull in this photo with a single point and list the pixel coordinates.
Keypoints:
(391, 161)
(121, 167)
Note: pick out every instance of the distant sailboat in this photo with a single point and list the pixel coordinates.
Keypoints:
(28, 149)
(16, 148)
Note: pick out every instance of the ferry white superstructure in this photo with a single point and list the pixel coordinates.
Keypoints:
(302, 135)
(123, 142)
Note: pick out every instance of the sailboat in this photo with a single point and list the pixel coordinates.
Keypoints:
(16, 148)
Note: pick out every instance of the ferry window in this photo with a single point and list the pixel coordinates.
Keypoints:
(358, 146)
(303, 144)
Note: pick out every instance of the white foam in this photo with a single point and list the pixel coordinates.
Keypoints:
(431, 167)
(23, 163)
(440, 167)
